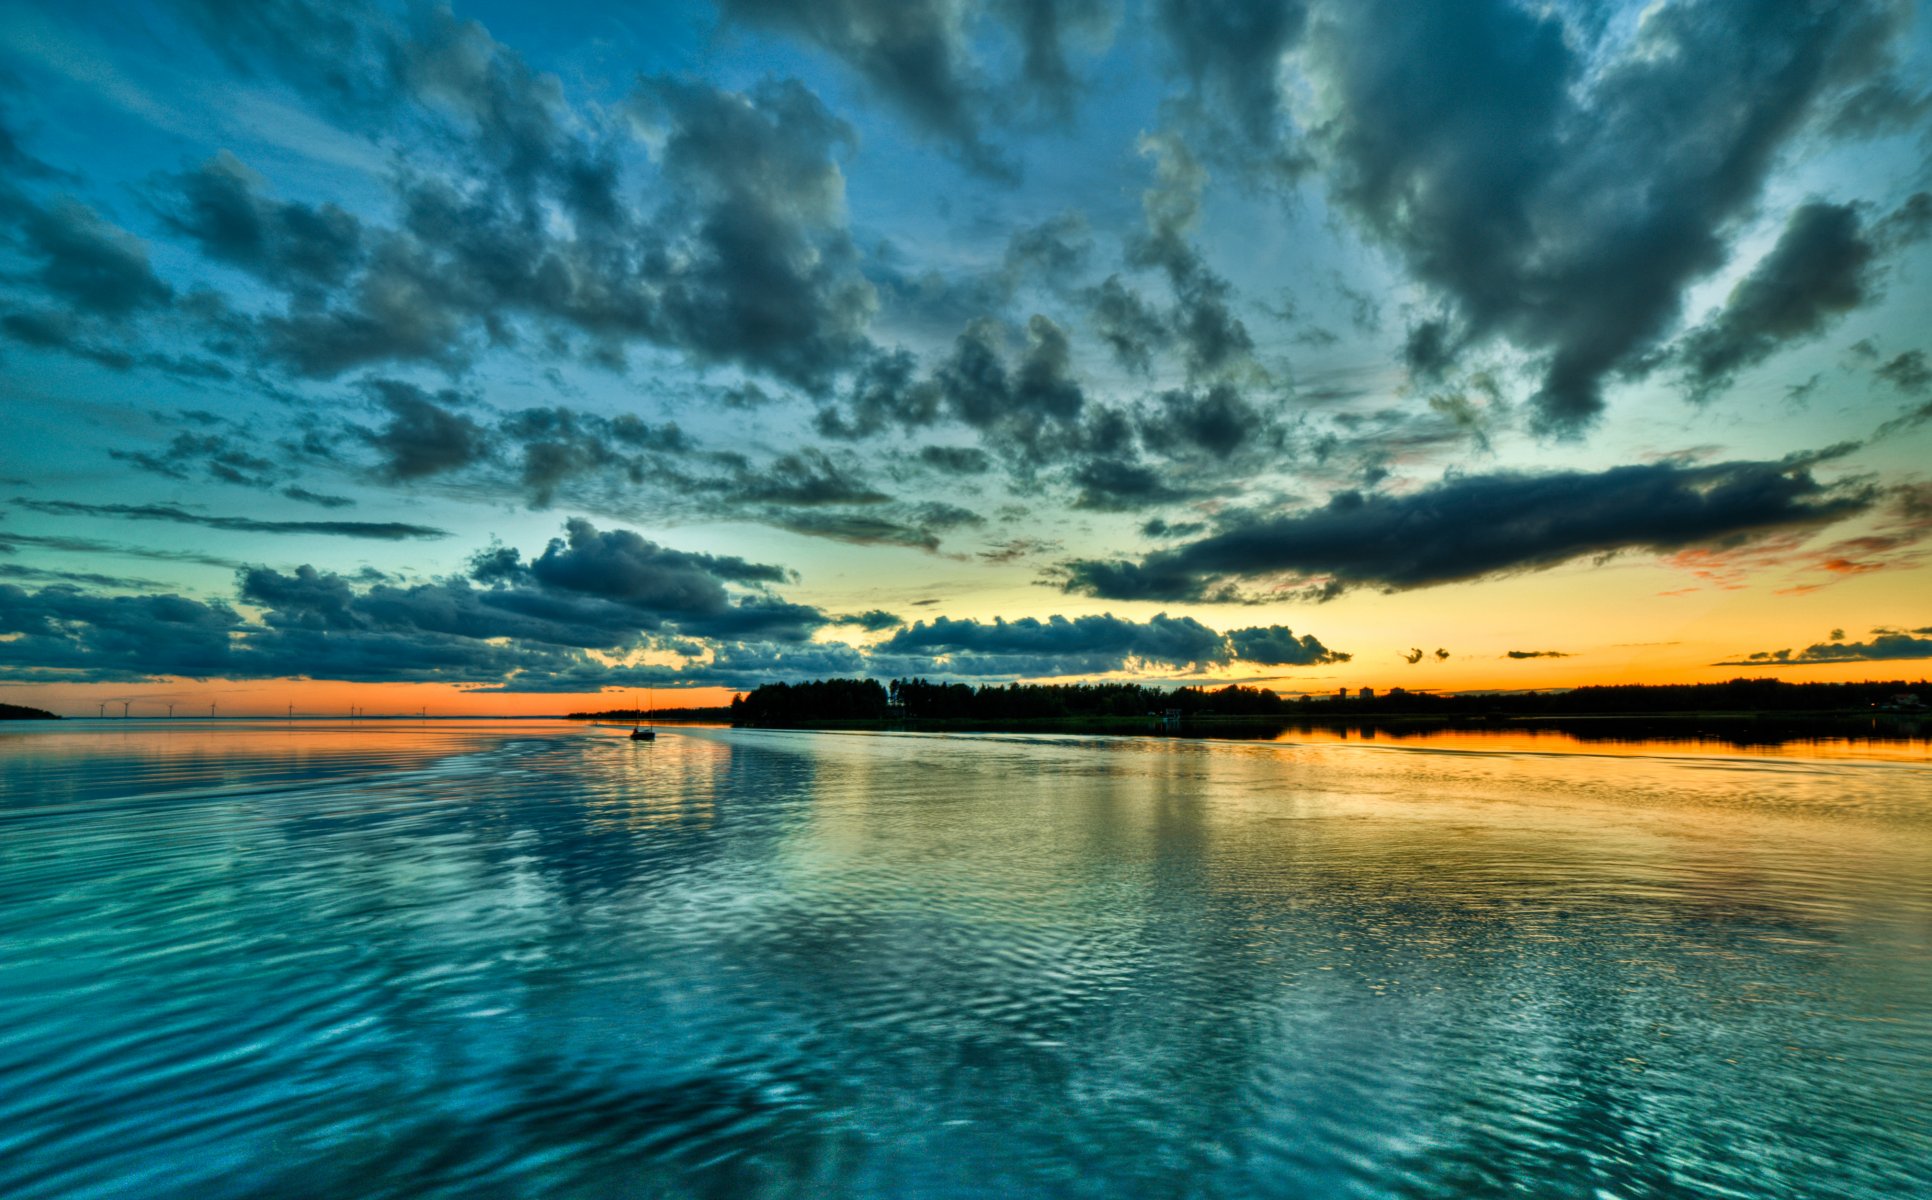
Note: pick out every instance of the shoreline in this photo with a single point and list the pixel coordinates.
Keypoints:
(1737, 727)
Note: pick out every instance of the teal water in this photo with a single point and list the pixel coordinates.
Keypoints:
(532, 959)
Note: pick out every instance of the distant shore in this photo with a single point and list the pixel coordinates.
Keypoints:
(20, 712)
(1739, 728)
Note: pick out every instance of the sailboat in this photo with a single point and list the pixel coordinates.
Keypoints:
(640, 732)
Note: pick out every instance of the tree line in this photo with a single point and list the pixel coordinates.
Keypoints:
(921, 699)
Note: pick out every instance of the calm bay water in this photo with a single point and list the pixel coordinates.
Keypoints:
(521, 959)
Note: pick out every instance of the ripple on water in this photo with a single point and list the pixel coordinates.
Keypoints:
(529, 959)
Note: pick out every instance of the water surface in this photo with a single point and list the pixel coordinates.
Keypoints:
(520, 959)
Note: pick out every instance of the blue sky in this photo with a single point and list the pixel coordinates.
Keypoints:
(537, 351)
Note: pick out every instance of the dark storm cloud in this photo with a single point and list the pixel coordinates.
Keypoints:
(518, 625)
(63, 630)
(875, 620)
(422, 436)
(1562, 201)
(1823, 266)
(1889, 646)
(919, 56)
(1478, 526)
(1061, 645)
(557, 621)
(1277, 645)
(224, 208)
(619, 564)
(1216, 421)
(1027, 406)
(885, 392)
(1123, 485)
(538, 452)
(765, 273)
(95, 267)
(556, 446)
(1230, 52)
(386, 531)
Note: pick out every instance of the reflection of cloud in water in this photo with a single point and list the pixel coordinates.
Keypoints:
(760, 962)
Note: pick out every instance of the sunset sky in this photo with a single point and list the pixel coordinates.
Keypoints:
(484, 357)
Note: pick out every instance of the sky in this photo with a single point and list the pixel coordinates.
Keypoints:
(492, 358)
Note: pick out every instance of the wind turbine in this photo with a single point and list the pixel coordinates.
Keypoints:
(123, 710)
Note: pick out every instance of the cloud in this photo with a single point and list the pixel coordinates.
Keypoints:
(515, 226)
(1819, 270)
(765, 272)
(1129, 326)
(563, 620)
(1230, 52)
(96, 268)
(920, 57)
(423, 437)
(574, 618)
(1563, 194)
(875, 620)
(1889, 646)
(1536, 654)
(223, 206)
(386, 531)
(1059, 646)
(1201, 321)
(207, 455)
(63, 630)
(1480, 526)
(956, 460)
(1908, 372)
(1216, 421)
(808, 478)
(1277, 645)
(11, 542)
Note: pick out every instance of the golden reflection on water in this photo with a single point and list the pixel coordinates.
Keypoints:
(1515, 739)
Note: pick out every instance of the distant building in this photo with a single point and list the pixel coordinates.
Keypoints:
(1341, 693)
(1367, 693)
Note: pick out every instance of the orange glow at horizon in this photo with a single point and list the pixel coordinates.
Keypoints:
(335, 698)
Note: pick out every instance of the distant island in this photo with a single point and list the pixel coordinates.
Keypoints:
(708, 716)
(20, 712)
(1619, 710)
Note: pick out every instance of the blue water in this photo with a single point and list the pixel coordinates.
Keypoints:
(504, 960)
